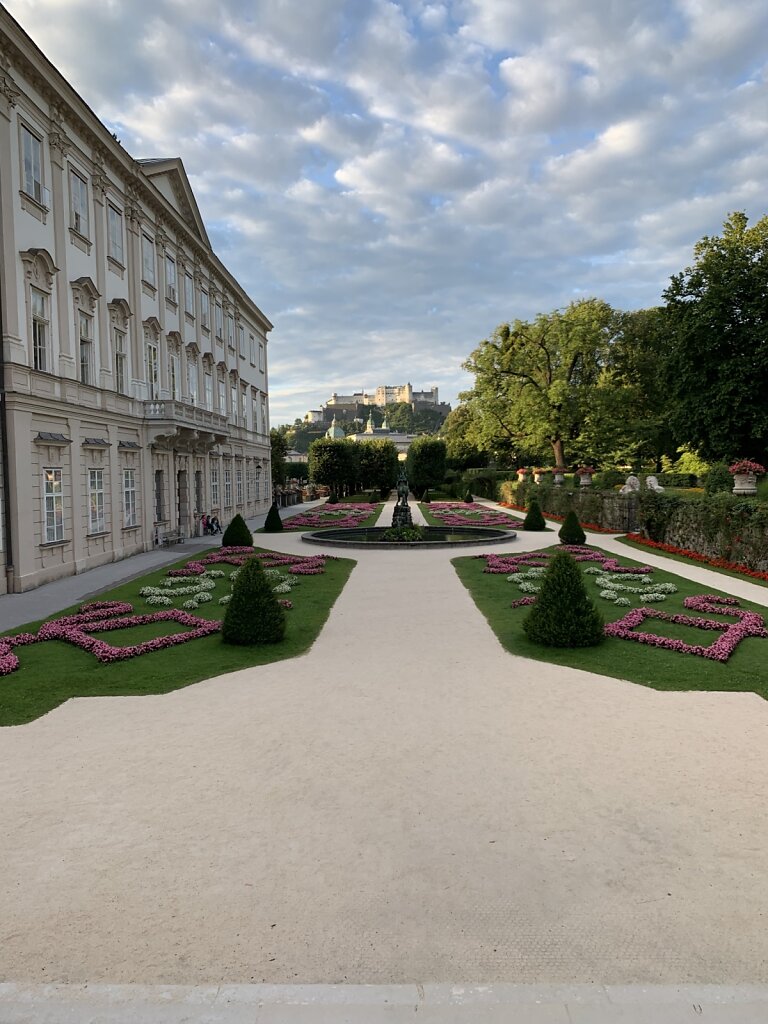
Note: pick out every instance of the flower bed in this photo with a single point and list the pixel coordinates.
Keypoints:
(100, 617)
(512, 564)
(347, 516)
(696, 556)
(749, 624)
(464, 513)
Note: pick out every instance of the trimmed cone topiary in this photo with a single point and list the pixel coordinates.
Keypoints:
(468, 498)
(534, 520)
(571, 532)
(253, 615)
(273, 523)
(563, 615)
(237, 534)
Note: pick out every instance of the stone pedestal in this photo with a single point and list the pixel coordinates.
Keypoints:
(585, 480)
(402, 516)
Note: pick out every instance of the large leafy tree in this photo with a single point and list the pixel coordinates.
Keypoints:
(378, 464)
(717, 366)
(537, 383)
(279, 447)
(334, 463)
(425, 463)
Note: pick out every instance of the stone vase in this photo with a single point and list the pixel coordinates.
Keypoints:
(744, 483)
(585, 480)
(538, 477)
(558, 477)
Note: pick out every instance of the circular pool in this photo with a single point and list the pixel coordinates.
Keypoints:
(433, 537)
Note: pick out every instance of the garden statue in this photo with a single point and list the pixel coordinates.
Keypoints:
(632, 486)
(402, 513)
(653, 484)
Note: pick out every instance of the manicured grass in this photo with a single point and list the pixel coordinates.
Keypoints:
(625, 659)
(50, 673)
(692, 561)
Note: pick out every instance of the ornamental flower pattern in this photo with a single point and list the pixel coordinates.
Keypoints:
(748, 624)
(512, 564)
(348, 515)
(465, 513)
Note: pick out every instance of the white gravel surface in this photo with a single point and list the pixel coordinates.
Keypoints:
(405, 803)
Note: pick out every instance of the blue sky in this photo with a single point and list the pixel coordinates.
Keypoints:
(390, 181)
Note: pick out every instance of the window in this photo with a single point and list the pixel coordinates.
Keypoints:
(248, 474)
(86, 348)
(233, 401)
(255, 411)
(152, 365)
(244, 407)
(159, 489)
(261, 357)
(130, 517)
(170, 278)
(222, 397)
(239, 484)
(115, 228)
(96, 522)
(205, 310)
(32, 152)
(189, 295)
(173, 375)
(40, 326)
(264, 420)
(215, 485)
(219, 321)
(230, 331)
(227, 486)
(121, 375)
(208, 384)
(147, 259)
(241, 340)
(192, 381)
(78, 195)
(252, 346)
(53, 501)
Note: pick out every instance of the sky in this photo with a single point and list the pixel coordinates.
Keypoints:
(390, 181)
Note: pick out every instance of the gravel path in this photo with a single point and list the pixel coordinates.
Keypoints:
(405, 803)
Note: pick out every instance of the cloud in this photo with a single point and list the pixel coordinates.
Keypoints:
(390, 180)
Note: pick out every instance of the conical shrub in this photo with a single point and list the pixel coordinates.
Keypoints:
(534, 520)
(273, 523)
(237, 534)
(253, 615)
(563, 615)
(571, 532)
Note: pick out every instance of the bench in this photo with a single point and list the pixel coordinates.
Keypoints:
(172, 537)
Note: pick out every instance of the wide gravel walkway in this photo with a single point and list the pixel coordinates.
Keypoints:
(407, 803)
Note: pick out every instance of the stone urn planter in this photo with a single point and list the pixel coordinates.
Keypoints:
(538, 475)
(521, 475)
(558, 476)
(585, 476)
(744, 483)
(745, 473)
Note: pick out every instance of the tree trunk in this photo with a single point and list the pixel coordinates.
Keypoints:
(557, 449)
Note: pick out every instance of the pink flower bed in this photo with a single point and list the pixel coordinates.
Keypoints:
(511, 564)
(300, 565)
(345, 516)
(100, 617)
(464, 513)
(748, 624)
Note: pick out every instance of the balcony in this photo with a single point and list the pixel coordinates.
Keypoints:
(186, 428)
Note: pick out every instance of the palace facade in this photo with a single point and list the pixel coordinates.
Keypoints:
(134, 366)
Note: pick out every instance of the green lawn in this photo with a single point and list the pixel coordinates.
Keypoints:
(51, 672)
(692, 561)
(626, 659)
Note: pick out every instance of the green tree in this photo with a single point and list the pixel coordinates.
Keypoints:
(564, 615)
(427, 421)
(536, 383)
(717, 365)
(279, 447)
(334, 463)
(378, 464)
(400, 417)
(425, 463)
(253, 615)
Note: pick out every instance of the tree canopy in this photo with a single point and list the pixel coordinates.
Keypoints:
(717, 363)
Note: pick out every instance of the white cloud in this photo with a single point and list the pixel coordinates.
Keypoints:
(390, 180)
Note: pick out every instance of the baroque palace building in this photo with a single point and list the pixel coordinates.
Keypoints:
(134, 366)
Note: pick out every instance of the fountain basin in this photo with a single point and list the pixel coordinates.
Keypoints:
(434, 537)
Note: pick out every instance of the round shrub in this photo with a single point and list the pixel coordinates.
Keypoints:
(237, 534)
(273, 523)
(718, 479)
(534, 520)
(253, 615)
(563, 615)
(571, 532)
